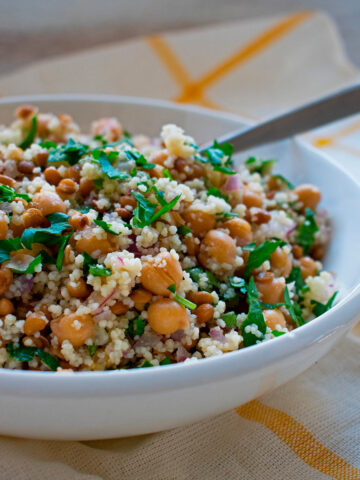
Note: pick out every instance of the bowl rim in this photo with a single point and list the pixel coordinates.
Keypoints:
(186, 375)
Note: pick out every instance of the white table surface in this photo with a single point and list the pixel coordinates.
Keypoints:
(35, 29)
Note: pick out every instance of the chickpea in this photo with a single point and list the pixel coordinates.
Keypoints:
(281, 263)
(86, 187)
(217, 246)
(35, 322)
(78, 289)
(6, 307)
(240, 231)
(259, 216)
(67, 187)
(271, 289)
(200, 297)
(109, 127)
(41, 158)
(309, 195)
(24, 112)
(92, 244)
(156, 172)
(190, 169)
(159, 157)
(4, 227)
(123, 213)
(251, 198)
(5, 180)
(6, 278)
(127, 201)
(48, 202)
(161, 272)
(119, 308)
(204, 312)
(192, 245)
(26, 167)
(74, 328)
(199, 222)
(16, 154)
(78, 220)
(273, 318)
(73, 173)
(67, 255)
(317, 252)
(33, 218)
(297, 251)
(166, 316)
(52, 175)
(308, 267)
(141, 297)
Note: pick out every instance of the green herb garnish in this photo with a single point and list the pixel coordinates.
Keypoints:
(106, 226)
(166, 361)
(136, 327)
(262, 253)
(70, 153)
(48, 235)
(295, 276)
(109, 170)
(8, 194)
(254, 316)
(167, 174)
(238, 283)
(283, 180)
(91, 349)
(183, 230)
(172, 288)
(293, 308)
(99, 271)
(146, 364)
(30, 137)
(260, 166)
(185, 302)
(31, 267)
(61, 252)
(140, 160)
(215, 192)
(9, 245)
(320, 308)
(26, 354)
(144, 213)
(230, 319)
(276, 333)
(306, 231)
(88, 260)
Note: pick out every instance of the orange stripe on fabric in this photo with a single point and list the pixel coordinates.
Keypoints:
(330, 140)
(300, 440)
(169, 59)
(245, 53)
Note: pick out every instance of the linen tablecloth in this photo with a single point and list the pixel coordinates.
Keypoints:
(308, 428)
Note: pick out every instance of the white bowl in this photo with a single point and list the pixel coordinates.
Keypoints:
(93, 405)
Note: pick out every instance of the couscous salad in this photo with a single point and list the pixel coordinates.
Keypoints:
(121, 251)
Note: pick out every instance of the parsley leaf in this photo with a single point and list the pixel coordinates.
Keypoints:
(106, 226)
(146, 364)
(26, 354)
(143, 211)
(197, 274)
(70, 153)
(284, 181)
(223, 215)
(9, 245)
(99, 271)
(30, 137)
(260, 166)
(98, 182)
(88, 260)
(262, 253)
(183, 230)
(48, 235)
(230, 319)
(254, 316)
(276, 333)
(172, 288)
(238, 282)
(295, 276)
(185, 302)
(31, 267)
(320, 308)
(218, 153)
(166, 208)
(140, 160)
(215, 192)
(167, 174)
(61, 251)
(166, 361)
(91, 349)
(306, 231)
(8, 194)
(109, 170)
(293, 308)
(136, 327)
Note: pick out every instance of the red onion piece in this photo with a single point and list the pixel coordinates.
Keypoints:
(148, 339)
(290, 230)
(26, 282)
(182, 354)
(217, 335)
(177, 336)
(107, 298)
(103, 315)
(121, 260)
(233, 183)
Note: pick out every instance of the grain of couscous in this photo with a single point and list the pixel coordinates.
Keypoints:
(119, 251)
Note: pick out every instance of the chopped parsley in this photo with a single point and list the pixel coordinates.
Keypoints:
(219, 156)
(99, 271)
(61, 252)
(239, 283)
(140, 160)
(70, 153)
(30, 137)
(320, 308)
(293, 308)
(88, 261)
(91, 349)
(185, 302)
(306, 231)
(215, 192)
(224, 215)
(9, 245)
(26, 354)
(50, 235)
(106, 226)
(199, 275)
(167, 174)
(295, 276)
(260, 254)
(284, 181)
(172, 288)
(254, 316)
(146, 364)
(276, 333)
(144, 213)
(230, 319)
(98, 182)
(260, 166)
(31, 267)
(109, 170)
(136, 327)
(183, 230)
(166, 361)
(8, 194)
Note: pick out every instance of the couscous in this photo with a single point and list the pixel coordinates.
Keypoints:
(121, 251)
